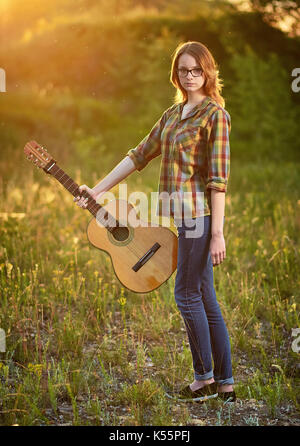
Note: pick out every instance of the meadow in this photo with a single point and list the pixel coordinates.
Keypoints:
(84, 350)
(80, 348)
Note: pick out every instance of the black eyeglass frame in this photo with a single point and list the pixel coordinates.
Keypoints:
(188, 71)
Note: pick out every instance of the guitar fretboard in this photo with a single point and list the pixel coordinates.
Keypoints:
(104, 217)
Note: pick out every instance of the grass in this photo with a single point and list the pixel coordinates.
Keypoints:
(82, 350)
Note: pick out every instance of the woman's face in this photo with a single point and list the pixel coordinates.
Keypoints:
(189, 82)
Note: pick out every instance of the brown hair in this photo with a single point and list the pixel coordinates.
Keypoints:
(213, 84)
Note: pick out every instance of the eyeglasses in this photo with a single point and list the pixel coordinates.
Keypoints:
(183, 72)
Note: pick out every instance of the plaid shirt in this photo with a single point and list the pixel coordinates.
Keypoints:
(195, 155)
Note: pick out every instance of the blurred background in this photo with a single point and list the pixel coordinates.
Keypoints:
(88, 78)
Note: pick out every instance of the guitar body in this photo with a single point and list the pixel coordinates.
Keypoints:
(143, 257)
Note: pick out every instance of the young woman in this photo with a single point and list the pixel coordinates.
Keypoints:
(193, 138)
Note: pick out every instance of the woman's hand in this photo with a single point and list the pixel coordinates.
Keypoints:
(217, 249)
(82, 201)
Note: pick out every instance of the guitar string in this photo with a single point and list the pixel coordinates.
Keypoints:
(139, 255)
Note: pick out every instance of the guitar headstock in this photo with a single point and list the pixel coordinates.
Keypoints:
(38, 155)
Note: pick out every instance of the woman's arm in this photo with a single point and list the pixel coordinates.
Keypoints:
(218, 211)
(149, 147)
(218, 175)
(217, 243)
(121, 171)
(118, 174)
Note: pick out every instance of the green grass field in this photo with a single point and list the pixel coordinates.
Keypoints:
(83, 350)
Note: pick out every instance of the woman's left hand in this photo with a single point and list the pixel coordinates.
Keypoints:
(217, 249)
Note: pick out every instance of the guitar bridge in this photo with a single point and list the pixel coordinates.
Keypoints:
(146, 257)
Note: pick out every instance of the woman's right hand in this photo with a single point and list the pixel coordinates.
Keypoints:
(82, 201)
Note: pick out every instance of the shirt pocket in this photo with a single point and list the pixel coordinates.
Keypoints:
(191, 147)
(187, 138)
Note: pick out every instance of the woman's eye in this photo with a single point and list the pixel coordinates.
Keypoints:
(197, 71)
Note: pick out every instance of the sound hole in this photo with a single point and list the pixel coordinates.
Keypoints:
(120, 233)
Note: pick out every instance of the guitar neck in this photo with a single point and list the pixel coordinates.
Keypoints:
(103, 217)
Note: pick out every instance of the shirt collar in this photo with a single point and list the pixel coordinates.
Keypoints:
(195, 109)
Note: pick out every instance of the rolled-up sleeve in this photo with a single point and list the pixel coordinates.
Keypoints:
(219, 151)
(149, 147)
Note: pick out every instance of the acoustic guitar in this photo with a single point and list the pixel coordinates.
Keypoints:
(143, 256)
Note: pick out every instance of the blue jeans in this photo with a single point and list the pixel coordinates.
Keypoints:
(196, 299)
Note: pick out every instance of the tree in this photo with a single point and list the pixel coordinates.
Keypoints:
(275, 11)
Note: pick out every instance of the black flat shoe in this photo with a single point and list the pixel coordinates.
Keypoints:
(186, 394)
